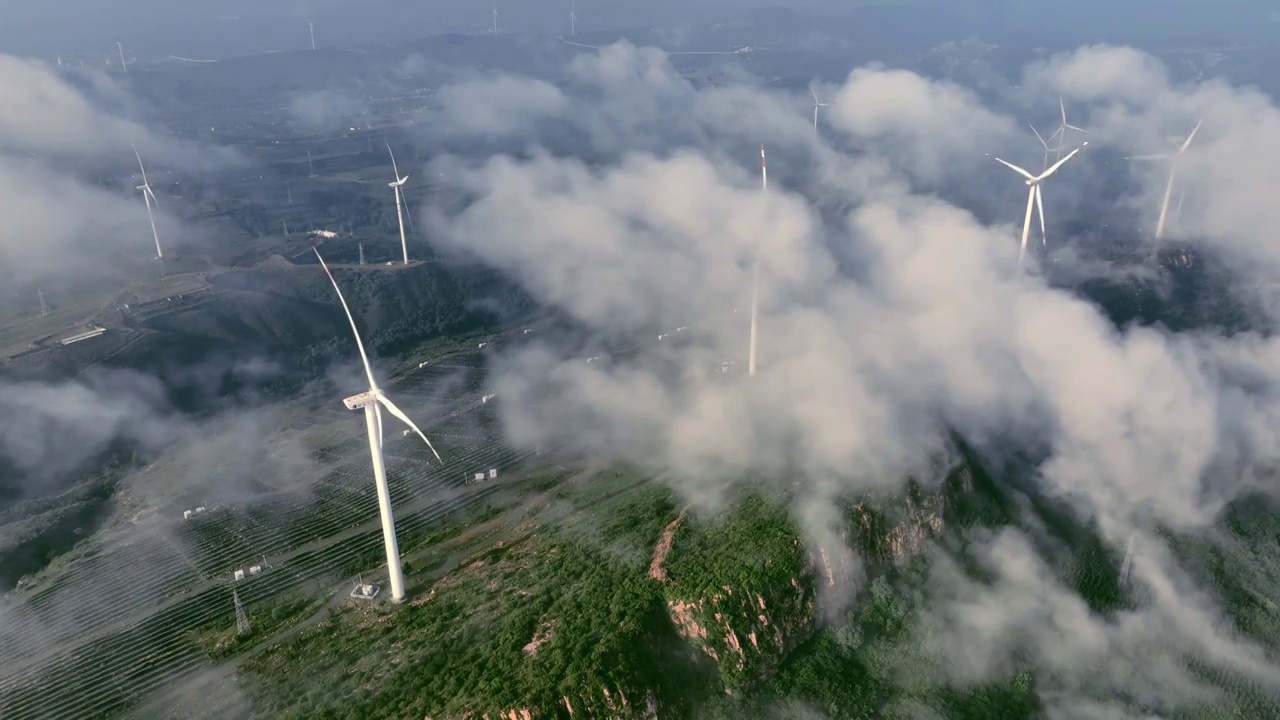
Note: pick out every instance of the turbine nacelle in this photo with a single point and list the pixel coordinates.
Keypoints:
(361, 401)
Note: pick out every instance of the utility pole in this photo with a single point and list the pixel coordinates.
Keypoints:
(242, 620)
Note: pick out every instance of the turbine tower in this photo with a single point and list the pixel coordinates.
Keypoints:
(312, 29)
(398, 186)
(755, 281)
(372, 402)
(495, 21)
(123, 65)
(816, 104)
(1034, 197)
(149, 197)
(573, 20)
(1168, 188)
(1060, 143)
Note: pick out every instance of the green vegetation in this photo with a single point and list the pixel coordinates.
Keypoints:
(219, 638)
(540, 620)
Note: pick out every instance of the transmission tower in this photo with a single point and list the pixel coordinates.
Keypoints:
(44, 307)
(242, 620)
(1128, 562)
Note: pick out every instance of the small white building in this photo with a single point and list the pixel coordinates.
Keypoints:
(479, 477)
(255, 569)
(238, 575)
(405, 433)
(488, 397)
(493, 473)
(186, 514)
(482, 344)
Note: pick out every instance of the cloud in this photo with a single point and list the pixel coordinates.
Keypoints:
(58, 133)
(1223, 180)
(500, 106)
(924, 125)
(327, 109)
(866, 370)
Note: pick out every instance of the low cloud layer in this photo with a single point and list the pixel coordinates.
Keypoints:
(62, 136)
(865, 371)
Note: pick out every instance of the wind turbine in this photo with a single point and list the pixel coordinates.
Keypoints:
(755, 280)
(397, 186)
(123, 65)
(1034, 196)
(1047, 150)
(312, 29)
(1168, 188)
(149, 197)
(573, 21)
(495, 21)
(1061, 133)
(816, 104)
(372, 401)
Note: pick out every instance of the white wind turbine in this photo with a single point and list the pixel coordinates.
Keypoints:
(123, 65)
(1034, 197)
(573, 20)
(372, 401)
(149, 197)
(755, 280)
(398, 186)
(1047, 150)
(312, 29)
(1059, 136)
(816, 104)
(1168, 188)
(495, 21)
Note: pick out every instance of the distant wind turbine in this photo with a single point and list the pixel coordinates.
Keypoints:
(495, 21)
(1059, 136)
(816, 104)
(398, 186)
(372, 401)
(1057, 151)
(312, 29)
(573, 21)
(123, 65)
(149, 197)
(1034, 196)
(1168, 188)
(755, 280)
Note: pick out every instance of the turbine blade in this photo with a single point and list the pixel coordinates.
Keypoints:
(1015, 168)
(813, 92)
(150, 192)
(1187, 142)
(1063, 106)
(1077, 129)
(399, 414)
(368, 371)
(1044, 238)
(1041, 139)
(1054, 167)
(140, 167)
(394, 169)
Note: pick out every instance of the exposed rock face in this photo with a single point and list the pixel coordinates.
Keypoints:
(753, 616)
